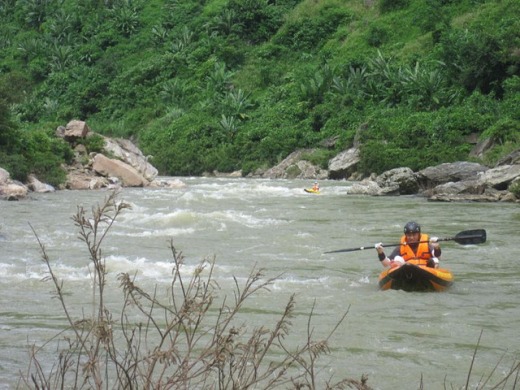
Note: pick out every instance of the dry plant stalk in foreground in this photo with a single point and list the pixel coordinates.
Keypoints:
(175, 343)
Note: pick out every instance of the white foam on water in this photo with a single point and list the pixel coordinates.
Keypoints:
(146, 217)
(240, 189)
(12, 273)
(170, 232)
(244, 219)
(364, 280)
(157, 270)
(289, 283)
(142, 223)
(61, 270)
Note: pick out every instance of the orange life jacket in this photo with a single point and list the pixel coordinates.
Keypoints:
(423, 250)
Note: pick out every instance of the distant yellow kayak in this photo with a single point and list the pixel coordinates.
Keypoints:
(311, 191)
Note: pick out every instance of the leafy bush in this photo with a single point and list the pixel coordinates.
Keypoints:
(504, 131)
(25, 152)
(377, 36)
(17, 165)
(93, 143)
(9, 134)
(515, 189)
(505, 134)
(256, 20)
(319, 157)
(309, 33)
(46, 155)
(473, 60)
(386, 6)
(125, 18)
(398, 139)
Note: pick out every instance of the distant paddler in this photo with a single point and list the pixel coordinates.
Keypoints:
(315, 188)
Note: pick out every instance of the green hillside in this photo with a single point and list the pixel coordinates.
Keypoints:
(205, 85)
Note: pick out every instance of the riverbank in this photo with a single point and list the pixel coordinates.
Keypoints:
(122, 164)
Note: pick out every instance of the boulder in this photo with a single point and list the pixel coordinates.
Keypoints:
(84, 180)
(489, 185)
(4, 176)
(128, 175)
(295, 166)
(37, 186)
(489, 195)
(403, 179)
(464, 198)
(344, 164)
(365, 187)
(510, 159)
(481, 148)
(125, 150)
(448, 172)
(461, 181)
(216, 173)
(11, 189)
(459, 187)
(74, 130)
(372, 188)
(500, 177)
(168, 183)
(330, 143)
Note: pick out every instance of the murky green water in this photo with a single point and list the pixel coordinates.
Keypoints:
(393, 337)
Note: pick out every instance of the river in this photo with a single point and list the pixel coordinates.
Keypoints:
(393, 337)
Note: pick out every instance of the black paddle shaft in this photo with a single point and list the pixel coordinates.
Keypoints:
(467, 237)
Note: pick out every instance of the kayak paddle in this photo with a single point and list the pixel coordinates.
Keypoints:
(466, 237)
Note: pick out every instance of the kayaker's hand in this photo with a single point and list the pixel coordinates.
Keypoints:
(434, 242)
(433, 262)
(380, 250)
(381, 253)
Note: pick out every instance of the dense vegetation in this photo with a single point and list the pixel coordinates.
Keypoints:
(222, 85)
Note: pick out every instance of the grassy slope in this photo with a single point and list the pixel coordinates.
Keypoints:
(131, 104)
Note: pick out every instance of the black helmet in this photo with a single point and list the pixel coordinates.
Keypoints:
(412, 227)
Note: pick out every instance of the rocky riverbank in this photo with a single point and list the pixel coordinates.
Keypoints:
(457, 181)
(122, 164)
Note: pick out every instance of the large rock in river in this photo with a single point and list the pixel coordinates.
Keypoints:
(126, 151)
(344, 164)
(449, 172)
(128, 175)
(11, 189)
(403, 179)
(500, 177)
(295, 166)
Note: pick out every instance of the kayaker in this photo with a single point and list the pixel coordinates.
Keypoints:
(316, 187)
(414, 245)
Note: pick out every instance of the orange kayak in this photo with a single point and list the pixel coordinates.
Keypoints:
(412, 277)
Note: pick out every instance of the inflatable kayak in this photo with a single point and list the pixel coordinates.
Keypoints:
(412, 277)
(311, 191)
